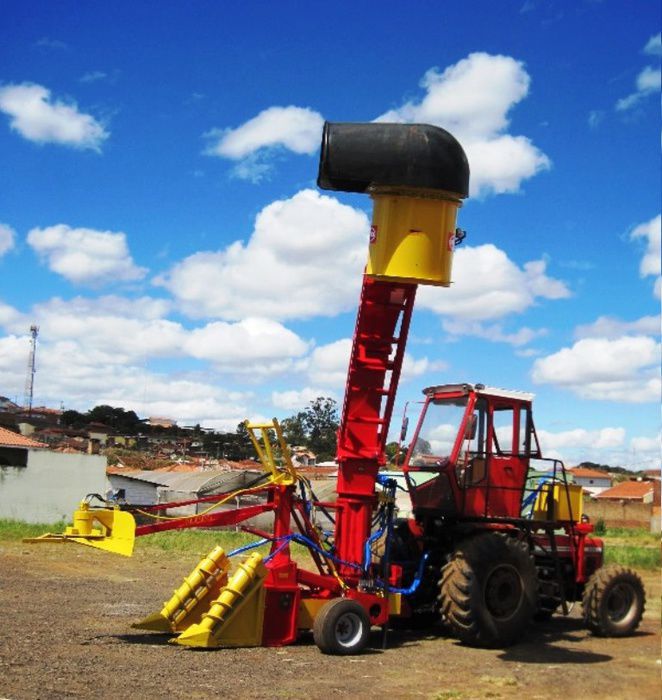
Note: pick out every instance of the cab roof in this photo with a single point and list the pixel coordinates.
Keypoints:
(479, 389)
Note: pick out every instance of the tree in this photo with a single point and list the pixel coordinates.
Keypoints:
(294, 430)
(123, 422)
(392, 450)
(73, 419)
(315, 427)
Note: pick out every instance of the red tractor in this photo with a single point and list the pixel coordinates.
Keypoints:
(490, 544)
(505, 542)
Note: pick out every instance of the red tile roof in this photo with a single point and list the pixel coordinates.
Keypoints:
(584, 473)
(10, 439)
(634, 490)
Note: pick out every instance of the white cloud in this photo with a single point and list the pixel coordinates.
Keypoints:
(494, 333)
(654, 46)
(651, 233)
(610, 327)
(8, 314)
(85, 256)
(442, 438)
(648, 81)
(38, 118)
(595, 118)
(297, 400)
(98, 351)
(253, 345)
(645, 452)
(117, 331)
(598, 439)
(48, 43)
(93, 76)
(188, 401)
(647, 444)
(114, 330)
(7, 238)
(623, 369)
(605, 445)
(472, 99)
(488, 285)
(303, 259)
(297, 129)
(328, 363)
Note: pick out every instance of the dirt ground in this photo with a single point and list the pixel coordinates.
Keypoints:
(66, 613)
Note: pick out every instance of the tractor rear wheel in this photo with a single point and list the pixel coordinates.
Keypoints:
(488, 591)
(613, 601)
(342, 627)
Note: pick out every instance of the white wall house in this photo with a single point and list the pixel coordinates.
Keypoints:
(50, 485)
(591, 480)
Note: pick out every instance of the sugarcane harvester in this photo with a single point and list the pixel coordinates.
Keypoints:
(487, 547)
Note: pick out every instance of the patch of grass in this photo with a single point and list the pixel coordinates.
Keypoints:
(199, 541)
(633, 556)
(13, 530)
(635, 547)
(634, 535)
(195, 542)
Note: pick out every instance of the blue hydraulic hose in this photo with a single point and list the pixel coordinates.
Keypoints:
(367, 552)
(417, 579)
(246, 547)
(529, 500)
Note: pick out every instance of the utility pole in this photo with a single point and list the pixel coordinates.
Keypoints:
(32, 368)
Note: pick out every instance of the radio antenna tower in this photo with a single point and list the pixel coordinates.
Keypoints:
(32, 368)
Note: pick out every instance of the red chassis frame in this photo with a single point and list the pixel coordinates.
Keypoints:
(375, 364)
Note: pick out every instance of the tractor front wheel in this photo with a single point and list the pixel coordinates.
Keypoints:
(342, 627)
(488, 591)
(613, 601)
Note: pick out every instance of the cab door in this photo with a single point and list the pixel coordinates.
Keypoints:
(507, 458)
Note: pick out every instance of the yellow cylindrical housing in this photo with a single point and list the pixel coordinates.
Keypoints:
(412, 238)
(82, 521)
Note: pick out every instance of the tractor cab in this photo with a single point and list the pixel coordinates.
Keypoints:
(470, 453)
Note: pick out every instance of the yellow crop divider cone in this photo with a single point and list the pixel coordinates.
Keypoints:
(187, 603)
(236, 617)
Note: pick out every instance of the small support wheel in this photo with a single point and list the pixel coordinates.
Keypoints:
(342, 627)
(613, 602)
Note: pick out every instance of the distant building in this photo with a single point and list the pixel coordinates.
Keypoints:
(303, 457)
(634, 491)
(14, 448)
(8, 405)
(592, 480)
(160, 422)
(42, 486)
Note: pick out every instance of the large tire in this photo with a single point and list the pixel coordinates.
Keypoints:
(488, 591)
(342, 627)
(613, 602)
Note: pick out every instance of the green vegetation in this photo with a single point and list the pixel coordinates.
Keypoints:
(633, 556)
(12, 530)
(198, 542)
(635, 547)
(315, 428)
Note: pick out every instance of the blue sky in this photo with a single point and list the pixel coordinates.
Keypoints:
(159, 218)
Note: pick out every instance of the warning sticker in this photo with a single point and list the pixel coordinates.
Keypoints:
(451, 241)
